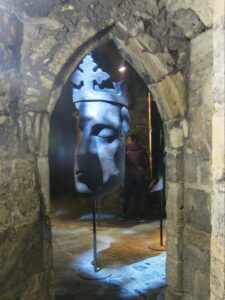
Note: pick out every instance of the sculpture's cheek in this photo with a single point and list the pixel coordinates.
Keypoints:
(108, 157)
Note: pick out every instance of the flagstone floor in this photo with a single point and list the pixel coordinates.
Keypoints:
(130, 261)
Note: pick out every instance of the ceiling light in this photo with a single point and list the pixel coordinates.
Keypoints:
(122, 69)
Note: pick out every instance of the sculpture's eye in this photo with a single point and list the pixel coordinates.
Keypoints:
(106, 133)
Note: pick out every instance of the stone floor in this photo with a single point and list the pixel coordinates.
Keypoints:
(130, 261)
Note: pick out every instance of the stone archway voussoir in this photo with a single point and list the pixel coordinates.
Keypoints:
(170, 96)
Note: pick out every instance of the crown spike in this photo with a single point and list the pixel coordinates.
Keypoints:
(89, 73)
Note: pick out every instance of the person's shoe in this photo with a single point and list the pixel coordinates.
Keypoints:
(122, 217)
(139, 220)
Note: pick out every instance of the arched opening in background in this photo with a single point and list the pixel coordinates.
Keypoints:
(123, 245)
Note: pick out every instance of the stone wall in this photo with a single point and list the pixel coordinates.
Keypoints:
(169, 43)
(197, 173)
(217, 278)
(138, 110)
(25, 248)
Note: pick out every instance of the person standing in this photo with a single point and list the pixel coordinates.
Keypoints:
(136, 164)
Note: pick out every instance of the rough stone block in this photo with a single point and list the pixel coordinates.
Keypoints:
(199, 239)
(150, 43)
(43, 169)
(9, 85)
(81, 33)
(5, 170)
(7, 57)
(218, 158)
(4, 104)
(147, 8)
(196, 265)
(37, 131)
(189, 278)
(170, 96)
(198, 146)
(217, 214)
(202, 286)
(175, 43)
(197, 209)
(173, 295)
(188, 296)
(135, 46)
(201, 54)
(203, 8)
(47, 81)
(182, 61)
(44, 137)
(174, 168)
(174, 248)
(8, 137)
(26, 244)
(4, 214)
(32, 288)
(174, 229)
(205, 173)
(194, 259)
(219, 44)
(176, 137)
(157, 65)
(188, 21)
(190, 168)
(10, 27)
(24, 198)
(174, 278)
(30, 131)
(216, 296)
(43, 49)
(176, 216)
(217, 278)
(121, 31)
(134, 25)
(175, 201)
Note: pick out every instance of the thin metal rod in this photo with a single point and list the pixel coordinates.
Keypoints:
(99, 211)
(161, 217)
(150, 132)
(94, 235)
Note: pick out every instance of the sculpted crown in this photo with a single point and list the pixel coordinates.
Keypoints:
(86, 84)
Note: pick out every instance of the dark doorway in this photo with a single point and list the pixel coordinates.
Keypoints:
(121, 245)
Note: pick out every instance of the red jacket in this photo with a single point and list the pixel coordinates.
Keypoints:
(136, 159)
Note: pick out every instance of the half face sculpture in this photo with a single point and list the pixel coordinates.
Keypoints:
(103, 121)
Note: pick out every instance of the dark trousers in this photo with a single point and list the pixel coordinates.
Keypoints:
(133, 186)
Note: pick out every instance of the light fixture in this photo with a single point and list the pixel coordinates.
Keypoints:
(122, 69)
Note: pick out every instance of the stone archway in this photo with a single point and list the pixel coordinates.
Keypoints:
(169, 43)
(169, 93)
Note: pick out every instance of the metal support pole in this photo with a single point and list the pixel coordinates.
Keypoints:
(161, 217)
(94, 235)
(99, 211)
(150, 133)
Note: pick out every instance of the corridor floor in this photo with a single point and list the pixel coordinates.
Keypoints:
(130, 261)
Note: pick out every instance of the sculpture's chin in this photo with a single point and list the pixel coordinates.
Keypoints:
(83, 189)
(103, 190)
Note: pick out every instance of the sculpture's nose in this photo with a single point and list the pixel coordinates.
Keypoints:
(86, 148)
(89, 167)
(84, 145)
